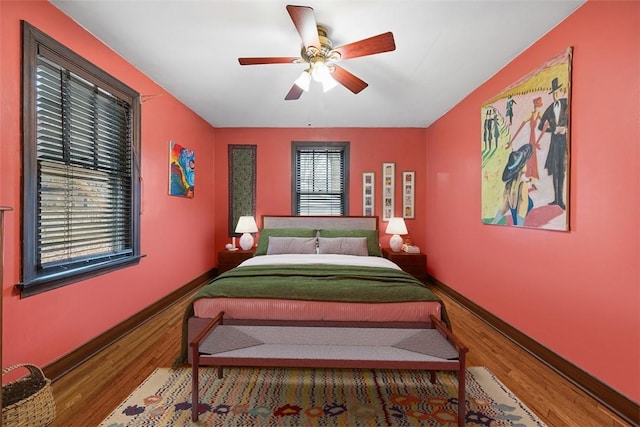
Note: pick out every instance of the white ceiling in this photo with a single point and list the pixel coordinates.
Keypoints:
(444, 50)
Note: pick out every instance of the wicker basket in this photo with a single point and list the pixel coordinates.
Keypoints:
(28, 401)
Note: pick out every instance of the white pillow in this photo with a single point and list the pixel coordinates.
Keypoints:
(291, 245)
(343, 245)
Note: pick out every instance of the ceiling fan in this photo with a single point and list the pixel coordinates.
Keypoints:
(320, 56)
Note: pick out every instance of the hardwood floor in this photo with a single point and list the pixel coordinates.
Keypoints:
(556, 401)
(86, 395)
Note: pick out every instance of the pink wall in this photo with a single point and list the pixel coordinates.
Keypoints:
(177, 233)
(577, 292)
(529, 278)
(369, 148)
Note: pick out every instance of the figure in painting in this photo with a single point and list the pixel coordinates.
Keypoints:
(554, 121)
(487, 134)
(491, 130)
(515, 197)
(496, 128)
(509, 113)
(532, 119)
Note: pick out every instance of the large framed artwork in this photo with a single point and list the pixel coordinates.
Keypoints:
(182, 174)
(525, 149)
(242, 183)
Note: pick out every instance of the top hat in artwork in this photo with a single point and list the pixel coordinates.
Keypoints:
(555, 85)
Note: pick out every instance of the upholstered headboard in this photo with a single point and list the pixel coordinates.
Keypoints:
(321, 222)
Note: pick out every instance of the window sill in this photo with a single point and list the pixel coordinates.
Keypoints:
(47, 283)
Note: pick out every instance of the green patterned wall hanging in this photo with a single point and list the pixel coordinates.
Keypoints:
(242, 183)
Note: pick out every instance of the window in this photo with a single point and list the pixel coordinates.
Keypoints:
(81, 144)
(320, 178)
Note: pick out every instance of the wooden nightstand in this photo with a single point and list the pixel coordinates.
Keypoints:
(230, 259)
(414, 264)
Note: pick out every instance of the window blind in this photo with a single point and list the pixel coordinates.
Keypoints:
(320, 181)
(83, 145)
(80, 165)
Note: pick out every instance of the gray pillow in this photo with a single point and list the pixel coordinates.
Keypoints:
(343, 245)
(291, 245)
(371, 235)
(265, 233)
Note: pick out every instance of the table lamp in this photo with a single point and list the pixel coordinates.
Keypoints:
(396, 227)
(246, 225)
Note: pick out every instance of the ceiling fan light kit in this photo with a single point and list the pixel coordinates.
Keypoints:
(328, 83)
(317, 51)
(304, 81)
(319, 70)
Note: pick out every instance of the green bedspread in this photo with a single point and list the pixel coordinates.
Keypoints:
(316, 282)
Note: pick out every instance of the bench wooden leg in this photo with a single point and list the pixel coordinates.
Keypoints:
(195, 362)
(462, 403)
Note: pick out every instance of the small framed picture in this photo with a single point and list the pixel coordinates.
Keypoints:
(368, 191)
(408, 195)
(388, 174)
(181, 171)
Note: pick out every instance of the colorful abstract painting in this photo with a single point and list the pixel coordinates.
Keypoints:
(182, 164)
(525, 149)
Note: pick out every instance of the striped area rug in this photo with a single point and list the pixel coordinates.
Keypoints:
(320, 397)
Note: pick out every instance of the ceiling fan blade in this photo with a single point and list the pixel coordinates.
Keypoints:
(294, 93)
(376, 44)
(348, 80)
(272, 60)
(304, 20)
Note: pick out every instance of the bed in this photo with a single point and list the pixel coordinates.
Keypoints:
(314, 271)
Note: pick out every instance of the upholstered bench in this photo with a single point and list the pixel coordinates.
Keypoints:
(329, 347)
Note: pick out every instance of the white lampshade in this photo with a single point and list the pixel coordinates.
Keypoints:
(319, 71)
(397, 227)
(328, 83)
(246, 225)
(304, 81)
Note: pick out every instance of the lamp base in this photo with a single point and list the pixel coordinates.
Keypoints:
(246, 241)
(396, 243)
